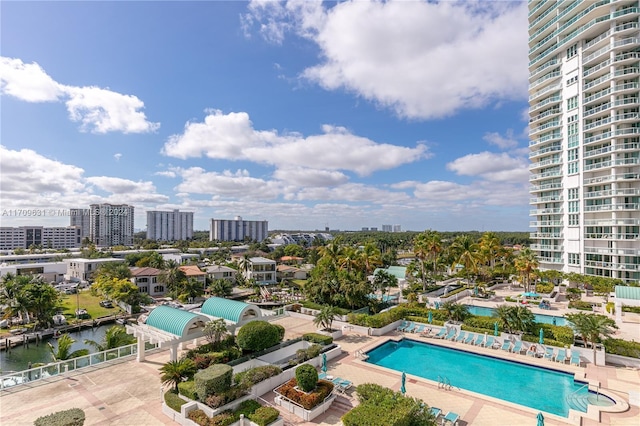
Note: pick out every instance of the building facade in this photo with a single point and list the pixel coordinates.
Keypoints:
(111, 224)
(82, 219)
(238, 230)
(169, 225)
(584, 126)
(24, 237)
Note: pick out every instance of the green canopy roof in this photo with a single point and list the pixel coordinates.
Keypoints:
(172, 320)
(625, 292)
(231, 310)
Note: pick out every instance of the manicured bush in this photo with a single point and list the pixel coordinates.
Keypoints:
(223, 419)
(561, 333)
(381, 406)
(71, 417)
(173, 401)
(307, 377)
(219, 399)
(258, 335)
(484, 323)
(247, 407)
(306, 400)
(264, 416)
(215, 379)
(303, 355)
(622, 347)
(256, 375)
(544, 288)
(318, 307)
(318, 338)
(547, 341)
(581, 305)
(633, 309)
(280, 330)
(188, 389)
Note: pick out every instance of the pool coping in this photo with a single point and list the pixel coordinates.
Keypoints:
(573, 417)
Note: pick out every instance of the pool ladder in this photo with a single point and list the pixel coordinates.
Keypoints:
(445, 383)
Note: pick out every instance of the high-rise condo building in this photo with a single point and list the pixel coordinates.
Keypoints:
(169, 225)
(24, 237)
(111, 224)
(238, 230)
(81, 218)
(584, 124)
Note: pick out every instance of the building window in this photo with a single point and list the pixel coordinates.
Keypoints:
(158, 289)
(574, 206)
(573, 168)
(572, 154)
(574, 258)
(572, 103)
(572, 80)
(573, 193)
(572, 51)
(143, 289)
(574, 220)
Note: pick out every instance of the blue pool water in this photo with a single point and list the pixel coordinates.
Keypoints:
(541, 318)
(539, 388)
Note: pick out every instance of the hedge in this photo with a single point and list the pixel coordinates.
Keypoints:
(318, 338)
(307, 377)
(173, 401)
(633, 309)
(264, 416)
(215, 379)
(581, 305)
(188, 389)
(622, 347)
(255, 375)
(71, 417)
(318, 307)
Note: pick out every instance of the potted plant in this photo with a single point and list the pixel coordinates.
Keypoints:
(305, 395)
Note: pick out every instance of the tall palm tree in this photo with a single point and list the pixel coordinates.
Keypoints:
(325, 317)
(370, 257)
(434, 248)
(63, 352)
(332, 251)
(421, 252)
(172, 276)
(382, 280)
(174, 372)
(349, 259)
(592, 327)
(526, 263)
(115, 337)
(465, 252)
(455, 311)
(490, 248)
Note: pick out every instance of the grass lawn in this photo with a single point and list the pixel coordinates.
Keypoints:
(84, 299)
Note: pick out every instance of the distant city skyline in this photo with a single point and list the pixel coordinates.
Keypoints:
(306, 114)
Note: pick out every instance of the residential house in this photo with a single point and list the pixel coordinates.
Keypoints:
(148, 282)
(83, 269)
(193, 272)
(221, 272)
(286, 272)
(262, 270)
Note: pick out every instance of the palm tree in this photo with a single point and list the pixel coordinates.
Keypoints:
(465, 252)
(434, 248)
(370, 257)
(221, 288)
(526, 263)
(490, 248)
(63, 352)
(190, 289)
(421, 251)
(172, 276)
(115, 337)
(455, 311)
(592, 327)
(382, 280)
(325, 317)
(349, 259)
(174, 372)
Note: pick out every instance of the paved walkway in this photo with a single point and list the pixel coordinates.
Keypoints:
(129, 393)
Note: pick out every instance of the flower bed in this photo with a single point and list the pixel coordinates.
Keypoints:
(305, 405)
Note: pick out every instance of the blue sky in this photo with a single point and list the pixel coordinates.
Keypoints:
(305, 114)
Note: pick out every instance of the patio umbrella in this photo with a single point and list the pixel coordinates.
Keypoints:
(495, 329)
(430, 317)
(541, 337)
(402, 385)
(475, 291)
(324, 363)
(540, 418)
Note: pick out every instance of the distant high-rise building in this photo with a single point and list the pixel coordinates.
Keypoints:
(111, 224)
(397, 228)
(386, 228)
(24, 237)
(82, 219)
(169, 225)
(238, 229)
(584, 131)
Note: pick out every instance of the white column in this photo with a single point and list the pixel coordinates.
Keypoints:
(140, 356)
(618, 308)
(173, 352)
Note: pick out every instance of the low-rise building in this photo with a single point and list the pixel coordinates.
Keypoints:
(193, 272)
(287, 272)
(148, 281)
(221, 272)
(80, 269)
(262, 270)
(50, 271)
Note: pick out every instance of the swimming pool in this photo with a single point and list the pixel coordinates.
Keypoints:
(541, 318)
(536, 387)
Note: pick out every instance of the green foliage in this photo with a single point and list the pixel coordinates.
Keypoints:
(215, 330)
(611, 307)
(561, 333)
(213, 380)
(325, 317)
(307, 377)
(258, 335)
(199, 417)
(633, 309)
(281, 330)
(63, 351)
(547, 341)
(247, 407)
(222, 419)
(581, 305)
(71, 417)
(264, 416)
(317, 306)
(174, 401)
(174, 372)
(188, 389)
(307, 400)
(219, 399)
(321, 339)
(544, 288)
(480, 323)
(303, 355)
(381, 406)
(622, 347)
(256, 375)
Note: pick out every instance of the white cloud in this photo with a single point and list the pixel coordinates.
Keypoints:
(299, 176)
(503, 142)
(232, 137)
(491, 166)
(99, 110)
(27, 82)
(117, 156)
(422, 59)
(227, 184)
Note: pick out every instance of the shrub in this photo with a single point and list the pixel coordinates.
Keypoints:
(258, 335)
(622, 347)
(247, 407)
(199, 416)
(318, 307)
(188, 389)
(215, 379)
(633, 309)
(484, 323)
(306, 400)
(307, 377)
(255, 375)
(219, 399)
(223, 419)
(71, 417)
(321, 339)
(173, 401)
(547, 341)
(280, 330)
(215, 401)
(264, 416)
(544, 288)
(581, 305)
(561, 333)
(303, 355)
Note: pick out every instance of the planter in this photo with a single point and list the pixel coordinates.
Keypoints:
(336, 334)
(304, 414)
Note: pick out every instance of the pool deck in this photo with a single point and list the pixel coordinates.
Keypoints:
(129, 393)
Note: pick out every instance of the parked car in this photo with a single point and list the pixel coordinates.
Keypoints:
(106, 304)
